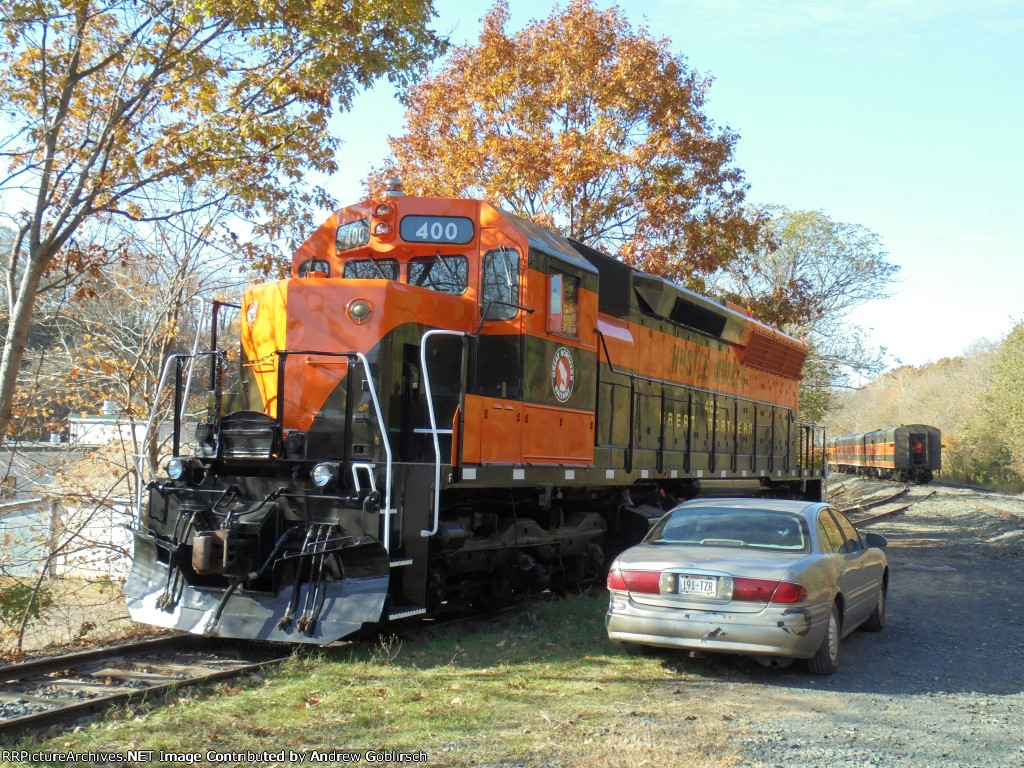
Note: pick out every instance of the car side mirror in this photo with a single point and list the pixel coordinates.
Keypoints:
(875, 540)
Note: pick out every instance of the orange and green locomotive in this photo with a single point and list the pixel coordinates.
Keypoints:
(445, 405)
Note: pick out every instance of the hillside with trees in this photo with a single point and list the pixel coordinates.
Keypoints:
(974, 399)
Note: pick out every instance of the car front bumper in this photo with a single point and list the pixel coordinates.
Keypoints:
(778, 630)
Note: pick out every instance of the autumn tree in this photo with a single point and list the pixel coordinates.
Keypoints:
(102, 100)
(1003, 404)
(103, 337)
(587, 126)
(805, 275)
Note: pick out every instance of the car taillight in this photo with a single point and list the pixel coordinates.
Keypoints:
(642, 581)
(788, 592)
(615, 580)
(635, 581)
(766, 590)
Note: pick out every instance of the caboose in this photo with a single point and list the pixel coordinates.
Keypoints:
(446, 406)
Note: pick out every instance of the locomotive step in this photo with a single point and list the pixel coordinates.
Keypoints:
(405, 611)
(402, 561)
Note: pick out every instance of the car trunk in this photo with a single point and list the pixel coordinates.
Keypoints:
(676, 563)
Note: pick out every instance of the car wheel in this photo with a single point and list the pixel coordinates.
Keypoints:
(826, 660)
(876, 621)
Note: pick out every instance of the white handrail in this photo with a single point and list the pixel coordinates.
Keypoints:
(195, 350)
(433, 424)
(358, 465)
(387, 450)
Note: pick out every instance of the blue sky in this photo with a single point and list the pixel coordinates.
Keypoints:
(904, 116)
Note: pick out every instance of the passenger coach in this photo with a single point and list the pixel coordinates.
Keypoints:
(908, 452)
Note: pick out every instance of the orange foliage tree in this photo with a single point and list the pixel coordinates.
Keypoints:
(586, 126)
(105, 101)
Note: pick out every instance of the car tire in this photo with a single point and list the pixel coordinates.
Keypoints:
(876, 621)
(825, 661)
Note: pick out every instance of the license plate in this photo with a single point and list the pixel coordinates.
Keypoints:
(706, 586)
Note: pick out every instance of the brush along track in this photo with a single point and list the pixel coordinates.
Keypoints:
(58, 690)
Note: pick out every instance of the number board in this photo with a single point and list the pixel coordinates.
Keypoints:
(436, 229)
(353, 235)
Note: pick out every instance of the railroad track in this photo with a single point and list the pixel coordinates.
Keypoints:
(59, 690)
(862, 506)
(863, 522)
(962, 486)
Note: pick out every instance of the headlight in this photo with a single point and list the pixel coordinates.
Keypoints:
(324, 475)
(360, 311)
(176, 468)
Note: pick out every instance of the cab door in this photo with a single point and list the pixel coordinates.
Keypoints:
(493, 420)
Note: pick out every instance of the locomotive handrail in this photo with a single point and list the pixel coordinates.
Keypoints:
(386, 441)
(810, 457)
(434, 432)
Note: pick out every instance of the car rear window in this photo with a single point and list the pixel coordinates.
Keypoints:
(740, 528)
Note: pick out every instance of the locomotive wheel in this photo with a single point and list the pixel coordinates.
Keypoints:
(497, 595)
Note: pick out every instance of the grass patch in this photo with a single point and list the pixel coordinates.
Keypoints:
(540, 687)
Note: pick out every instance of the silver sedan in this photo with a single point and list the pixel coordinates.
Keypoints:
(778, 580)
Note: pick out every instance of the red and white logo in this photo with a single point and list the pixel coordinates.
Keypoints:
(563, 374)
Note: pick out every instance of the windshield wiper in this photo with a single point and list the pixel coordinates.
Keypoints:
(377, 266)
(439, 259)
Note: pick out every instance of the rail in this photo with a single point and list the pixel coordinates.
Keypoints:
(179, 362)
(143, 468)
(59, 690)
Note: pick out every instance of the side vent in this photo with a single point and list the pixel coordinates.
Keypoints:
(773, 352)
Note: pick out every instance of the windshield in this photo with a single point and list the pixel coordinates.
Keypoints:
(371, 269)
(447, 274)
(717, 527)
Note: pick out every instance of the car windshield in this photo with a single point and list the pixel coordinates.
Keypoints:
(718, 527)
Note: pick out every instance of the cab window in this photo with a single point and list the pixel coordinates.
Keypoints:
(563, 304)
(447, 274)
(500, 292)
(314, 265)
(371, 269)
